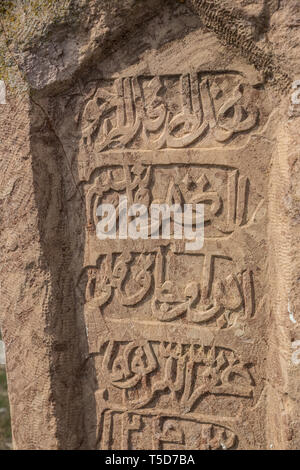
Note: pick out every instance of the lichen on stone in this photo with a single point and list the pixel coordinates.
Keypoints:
(21, 22)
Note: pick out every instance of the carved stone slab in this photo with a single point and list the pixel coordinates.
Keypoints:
(142, 343)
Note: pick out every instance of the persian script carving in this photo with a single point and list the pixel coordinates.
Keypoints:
(131, 278)
(172, 111)
(124, 430)
(225, 193)
(200, 305)
(163, 323)
(138, 373)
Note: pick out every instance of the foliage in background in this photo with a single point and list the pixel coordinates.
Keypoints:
(5, 430)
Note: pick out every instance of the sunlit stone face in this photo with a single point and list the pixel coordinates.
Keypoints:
(142, 342)
(171, 334)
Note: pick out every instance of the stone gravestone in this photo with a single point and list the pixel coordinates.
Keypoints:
(152, 345)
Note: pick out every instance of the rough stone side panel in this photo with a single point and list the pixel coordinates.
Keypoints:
(25, 284)
(56, 227)
(284, 345)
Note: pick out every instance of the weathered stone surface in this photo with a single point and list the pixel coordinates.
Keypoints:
(142, 344)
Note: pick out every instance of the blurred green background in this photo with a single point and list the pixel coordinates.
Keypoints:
(5, 430)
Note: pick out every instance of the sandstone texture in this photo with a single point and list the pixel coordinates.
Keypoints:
(143, 344)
